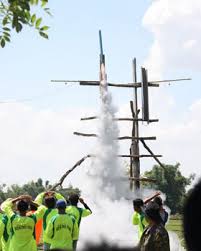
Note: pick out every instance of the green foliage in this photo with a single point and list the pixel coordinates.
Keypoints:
(15, 14)
(171, 182)
(32, 188)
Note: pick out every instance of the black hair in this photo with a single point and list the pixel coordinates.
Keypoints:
(50, 202)
(74, 198)
(138, 203)
(32, 207)
(22, 206)
(158, 201)
(192, 218)
(152, 211)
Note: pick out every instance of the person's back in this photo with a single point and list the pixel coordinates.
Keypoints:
(50, 199)
(62, 229)
(155, 237)
(163, 213)
(77, 213)
(22, 227)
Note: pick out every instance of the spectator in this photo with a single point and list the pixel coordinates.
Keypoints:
(163, 212)
(77, 212)
(155, 237)
(192, 216)
(62, 229)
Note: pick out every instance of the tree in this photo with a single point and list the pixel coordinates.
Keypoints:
(32, 188)
(171, 182)
(15, 14)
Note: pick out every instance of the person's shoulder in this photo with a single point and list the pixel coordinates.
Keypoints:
(161, 230)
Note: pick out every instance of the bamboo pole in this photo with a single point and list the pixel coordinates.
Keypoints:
(150, 151)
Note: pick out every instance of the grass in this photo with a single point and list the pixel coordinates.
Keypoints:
(175, 225)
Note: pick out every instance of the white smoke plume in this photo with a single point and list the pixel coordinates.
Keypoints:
(106, 192)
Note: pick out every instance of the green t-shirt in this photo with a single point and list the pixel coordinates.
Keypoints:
(139, 219)
(78, 213)
(22, 228)
(5, 232)
(47, 214)
(62, 229)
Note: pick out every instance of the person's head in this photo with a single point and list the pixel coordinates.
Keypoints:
(152, 213)
(158, 200)
(32, 207)
(22, 206)
(74, 198)
(192, 218)
(50, 202)
(61, 206)
(138, 204)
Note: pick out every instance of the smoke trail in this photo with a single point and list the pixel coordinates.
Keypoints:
(112, 213)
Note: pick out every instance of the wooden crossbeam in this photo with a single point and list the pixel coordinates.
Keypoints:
(119, 138)
(126, 85)
(145, 179)
(139, 156)
(135, 138)
(97, 83)
(119, 119)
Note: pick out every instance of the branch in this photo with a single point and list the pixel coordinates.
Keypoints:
(69, 171)
(85, 134)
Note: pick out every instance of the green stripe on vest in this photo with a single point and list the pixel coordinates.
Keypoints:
(47, 212)
(5, 232)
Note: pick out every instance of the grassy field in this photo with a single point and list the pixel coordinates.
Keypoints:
(175, 225)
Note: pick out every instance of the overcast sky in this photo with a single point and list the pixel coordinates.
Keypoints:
(37, 118)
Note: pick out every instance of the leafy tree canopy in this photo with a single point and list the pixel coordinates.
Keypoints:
(171, 182)
(32, 188)
(15, 14)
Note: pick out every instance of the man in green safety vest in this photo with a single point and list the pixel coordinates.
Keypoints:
(138, 216)
(77, 212)
(50, 199)
(22, 226)
(62, 229)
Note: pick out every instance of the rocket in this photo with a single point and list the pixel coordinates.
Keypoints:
(103, 75)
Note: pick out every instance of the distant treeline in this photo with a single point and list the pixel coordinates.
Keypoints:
(32, 188)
